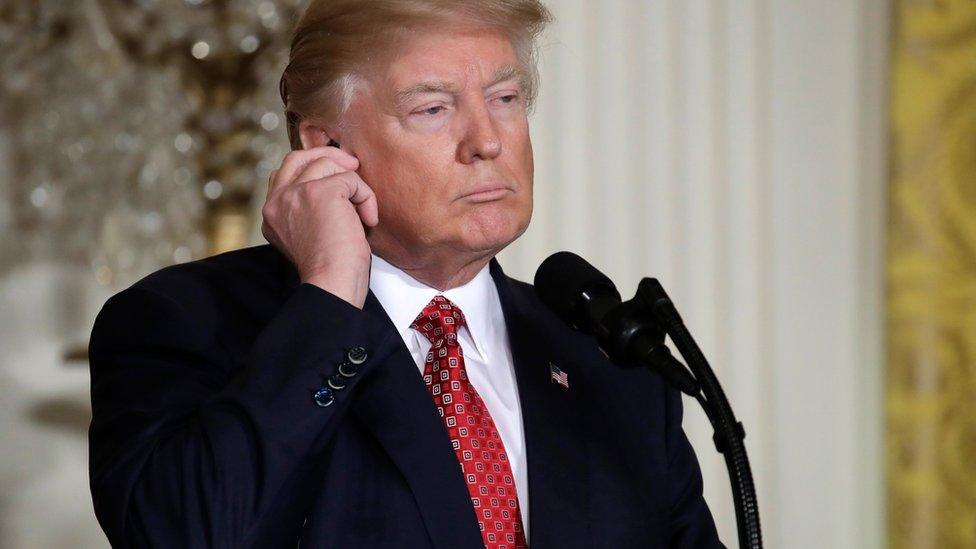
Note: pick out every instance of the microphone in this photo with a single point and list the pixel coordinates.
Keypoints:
(626, 331)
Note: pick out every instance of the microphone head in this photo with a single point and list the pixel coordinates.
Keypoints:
(565, 279)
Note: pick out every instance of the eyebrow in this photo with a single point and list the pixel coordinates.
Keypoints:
(507, 72)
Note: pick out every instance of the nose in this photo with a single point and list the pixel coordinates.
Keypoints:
(480, 140)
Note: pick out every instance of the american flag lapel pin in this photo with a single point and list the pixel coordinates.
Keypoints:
(556, 375)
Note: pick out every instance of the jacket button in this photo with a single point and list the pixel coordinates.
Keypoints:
(347, 370)
(336, 382)
(356, 355)
(324, 397)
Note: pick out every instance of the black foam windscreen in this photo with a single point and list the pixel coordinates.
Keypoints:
(562, 279)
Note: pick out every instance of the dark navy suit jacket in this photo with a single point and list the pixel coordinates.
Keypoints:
(205, 431)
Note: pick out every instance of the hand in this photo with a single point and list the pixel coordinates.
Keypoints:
(315, 213)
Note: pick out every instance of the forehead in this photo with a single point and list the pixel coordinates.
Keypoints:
(459, 55)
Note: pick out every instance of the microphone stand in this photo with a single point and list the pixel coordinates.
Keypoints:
(729, 433)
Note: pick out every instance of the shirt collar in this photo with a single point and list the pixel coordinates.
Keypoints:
(403, 297)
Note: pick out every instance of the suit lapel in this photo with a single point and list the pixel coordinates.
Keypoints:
(393, 403)
(555, 448)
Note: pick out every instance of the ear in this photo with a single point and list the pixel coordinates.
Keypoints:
(314, 134)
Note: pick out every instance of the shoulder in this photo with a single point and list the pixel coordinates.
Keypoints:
(248, 281)
(255, 268)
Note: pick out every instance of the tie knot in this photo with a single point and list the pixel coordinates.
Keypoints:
(439, 321)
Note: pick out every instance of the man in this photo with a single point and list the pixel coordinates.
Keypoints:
(372, 378)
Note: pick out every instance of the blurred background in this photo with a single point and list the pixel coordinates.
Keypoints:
(800, 175)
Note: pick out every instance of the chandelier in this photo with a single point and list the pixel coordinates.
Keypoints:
(141, 128)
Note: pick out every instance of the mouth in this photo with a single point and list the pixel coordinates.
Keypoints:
(487, 193)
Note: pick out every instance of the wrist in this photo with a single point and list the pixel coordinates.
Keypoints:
(349, 284)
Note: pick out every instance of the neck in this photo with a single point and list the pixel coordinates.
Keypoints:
(445, 280)
(441, 274)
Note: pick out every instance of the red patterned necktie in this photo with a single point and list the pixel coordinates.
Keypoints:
(476, 442)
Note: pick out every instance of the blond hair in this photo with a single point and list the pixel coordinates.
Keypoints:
(336, 40)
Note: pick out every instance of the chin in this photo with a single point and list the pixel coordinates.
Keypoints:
(492, 230)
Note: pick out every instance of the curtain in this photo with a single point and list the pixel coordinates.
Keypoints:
(931, 274)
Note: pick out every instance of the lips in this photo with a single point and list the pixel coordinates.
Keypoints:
(487, 192)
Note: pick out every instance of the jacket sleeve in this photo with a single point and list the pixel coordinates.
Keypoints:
(188, 449)
(691, 522)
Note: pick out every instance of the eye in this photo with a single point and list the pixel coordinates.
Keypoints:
(507, 97)
(431, 111)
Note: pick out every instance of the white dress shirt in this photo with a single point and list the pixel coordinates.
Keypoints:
(487, 354)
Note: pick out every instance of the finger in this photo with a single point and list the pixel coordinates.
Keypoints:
(369, 211)
(271, 183)
(366, 206)
(296, 161)
(362, 196)
(320, 168)
(359, 191)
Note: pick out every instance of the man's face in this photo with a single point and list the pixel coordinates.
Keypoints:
(443, 140)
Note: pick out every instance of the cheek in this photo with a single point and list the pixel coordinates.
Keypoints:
(520, 156)
(409, 199)
(423, 176)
